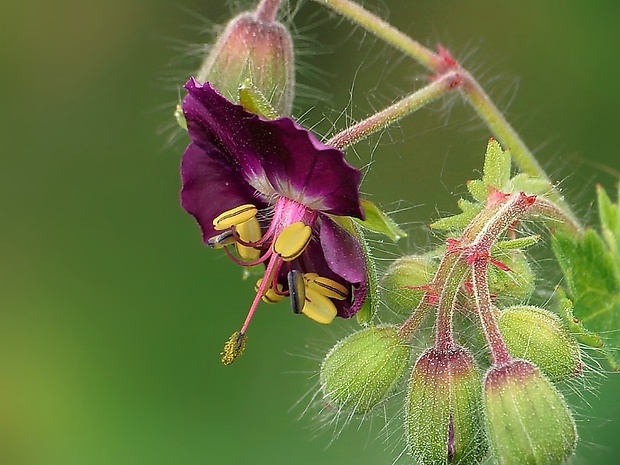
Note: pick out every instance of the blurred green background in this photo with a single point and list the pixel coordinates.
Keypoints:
(113, 314)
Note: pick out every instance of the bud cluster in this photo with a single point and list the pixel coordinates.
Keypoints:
(460, 408)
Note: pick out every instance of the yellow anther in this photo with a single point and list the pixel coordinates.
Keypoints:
(233, 348)
(318, 307)
(327, 287)
(221, 240)
(271, 296)
(297, 290)
(235, 216)
(291, 242)
(248, 231)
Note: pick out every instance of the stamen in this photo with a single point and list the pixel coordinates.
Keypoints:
(273, 268)
(248, 232)
(271, 296)
(221, 240)
(327, 287)
(235, 216)
(297, 290)
(233, 348)
(318, 307)
(292, 241)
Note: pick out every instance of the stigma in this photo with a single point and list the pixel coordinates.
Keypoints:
(249, 239)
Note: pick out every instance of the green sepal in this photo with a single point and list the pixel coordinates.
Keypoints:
(523, 182)
(514, 244)
(496, 166)
(180, 117)
(365, 314)
(460, 221)
(478, 189)
(379, 222)
(609, 213)
(580, 332)
(368, 311)
(593, 282)
(255, 102)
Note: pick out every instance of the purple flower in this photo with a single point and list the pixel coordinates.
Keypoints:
(273, 192)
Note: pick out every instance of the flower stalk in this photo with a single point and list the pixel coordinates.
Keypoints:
(440, 64)
(267, 10)
(413, 102)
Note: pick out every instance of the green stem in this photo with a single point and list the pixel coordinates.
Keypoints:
(507, 136)
(470, 89)
(393, 113)
(382, 29)
(480, 285)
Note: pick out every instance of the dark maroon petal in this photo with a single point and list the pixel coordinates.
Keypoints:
(343, 252)
(211, 186)
(302, 168)
(212, 120)
(277, 156)
(313, 261)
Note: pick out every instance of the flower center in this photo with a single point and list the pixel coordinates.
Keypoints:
(281, 247)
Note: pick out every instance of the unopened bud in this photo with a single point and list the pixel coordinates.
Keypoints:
(255, 49)
(362, 370)
(514, 286)
(528, 421)
(540, 337)
(402, 285)
(443, 422)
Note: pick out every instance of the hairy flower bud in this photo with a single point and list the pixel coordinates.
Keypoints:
(402, 285)
(540, 337)
(514, 286)
(443, 422)
(362, 370)
(255, 49)
(528, 421)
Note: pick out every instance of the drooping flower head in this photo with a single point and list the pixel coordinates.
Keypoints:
(273, 192)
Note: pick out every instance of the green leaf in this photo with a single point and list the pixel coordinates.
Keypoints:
(512, 244)
(255, 102)
(366, 314)
(581, 333)
(593, 281)
(496, 166)
(609, 214)
(377, 221)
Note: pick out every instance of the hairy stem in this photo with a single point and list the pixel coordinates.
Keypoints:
(473, 93)
(395, 112)
(267, 10)
(451, 282)
(480, 285)
(382, 29)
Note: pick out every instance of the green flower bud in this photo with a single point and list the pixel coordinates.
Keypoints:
(443, 410)
(528, 421)
(254, 49)
(540, 337)
(403, 282)
(362, 370)
(514, 286)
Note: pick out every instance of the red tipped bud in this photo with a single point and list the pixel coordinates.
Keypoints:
(444, 409)
(254, 49)
(528, 421)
